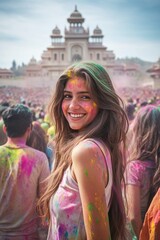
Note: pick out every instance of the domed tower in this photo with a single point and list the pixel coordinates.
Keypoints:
(97, 35)
(56, 35)
(76, 37)
(76, 30)
(75, 18)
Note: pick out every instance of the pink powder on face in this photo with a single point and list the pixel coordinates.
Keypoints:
(87, 107)
(90, 107)
(74, 82)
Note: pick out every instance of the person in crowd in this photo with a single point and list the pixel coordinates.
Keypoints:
(130, 110)
(38, 139)
(3, 137)
(22, 174)
(83, 199)
(45, 126)
(51, 133)
(151, 226)
(143, 163)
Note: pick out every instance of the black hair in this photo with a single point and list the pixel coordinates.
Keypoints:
(17, 119)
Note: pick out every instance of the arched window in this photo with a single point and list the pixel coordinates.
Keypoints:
(76, 58)
(55, 56)
(98, 56)
(76, 53)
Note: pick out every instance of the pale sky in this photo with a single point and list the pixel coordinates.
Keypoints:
(130, 28)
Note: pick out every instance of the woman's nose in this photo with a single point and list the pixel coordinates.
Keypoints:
(74, 104)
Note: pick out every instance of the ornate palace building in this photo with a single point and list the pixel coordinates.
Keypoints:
(6, 73)
(76, 44)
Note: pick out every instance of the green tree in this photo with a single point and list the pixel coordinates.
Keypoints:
(14, 66)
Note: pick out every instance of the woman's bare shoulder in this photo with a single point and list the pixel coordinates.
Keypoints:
(84, 147)
(87, 150)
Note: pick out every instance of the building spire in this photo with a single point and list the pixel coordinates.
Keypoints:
(76, 8)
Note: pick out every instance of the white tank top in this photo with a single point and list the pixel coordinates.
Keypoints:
(66, 208)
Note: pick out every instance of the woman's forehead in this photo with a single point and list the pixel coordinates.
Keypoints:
(76, 83)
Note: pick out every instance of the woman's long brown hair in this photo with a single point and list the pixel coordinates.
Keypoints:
(110, 125)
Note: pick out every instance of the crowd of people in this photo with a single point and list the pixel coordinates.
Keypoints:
(80, 162)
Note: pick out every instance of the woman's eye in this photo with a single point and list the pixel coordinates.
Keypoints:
(86, 97)
(67, 96)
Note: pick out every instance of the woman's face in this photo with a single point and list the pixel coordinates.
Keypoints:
(78, 107)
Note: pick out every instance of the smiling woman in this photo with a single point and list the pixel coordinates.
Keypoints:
(78, 106)
(83, 199)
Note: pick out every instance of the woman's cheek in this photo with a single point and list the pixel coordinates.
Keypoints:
(90, 107)
(64, 107)
(87, 107)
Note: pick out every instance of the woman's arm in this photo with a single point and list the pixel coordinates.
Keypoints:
(90, 171)
(134, 209)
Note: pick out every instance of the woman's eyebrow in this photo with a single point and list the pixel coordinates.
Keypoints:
(84, 92)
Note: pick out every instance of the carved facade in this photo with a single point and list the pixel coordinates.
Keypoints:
(76, 44)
